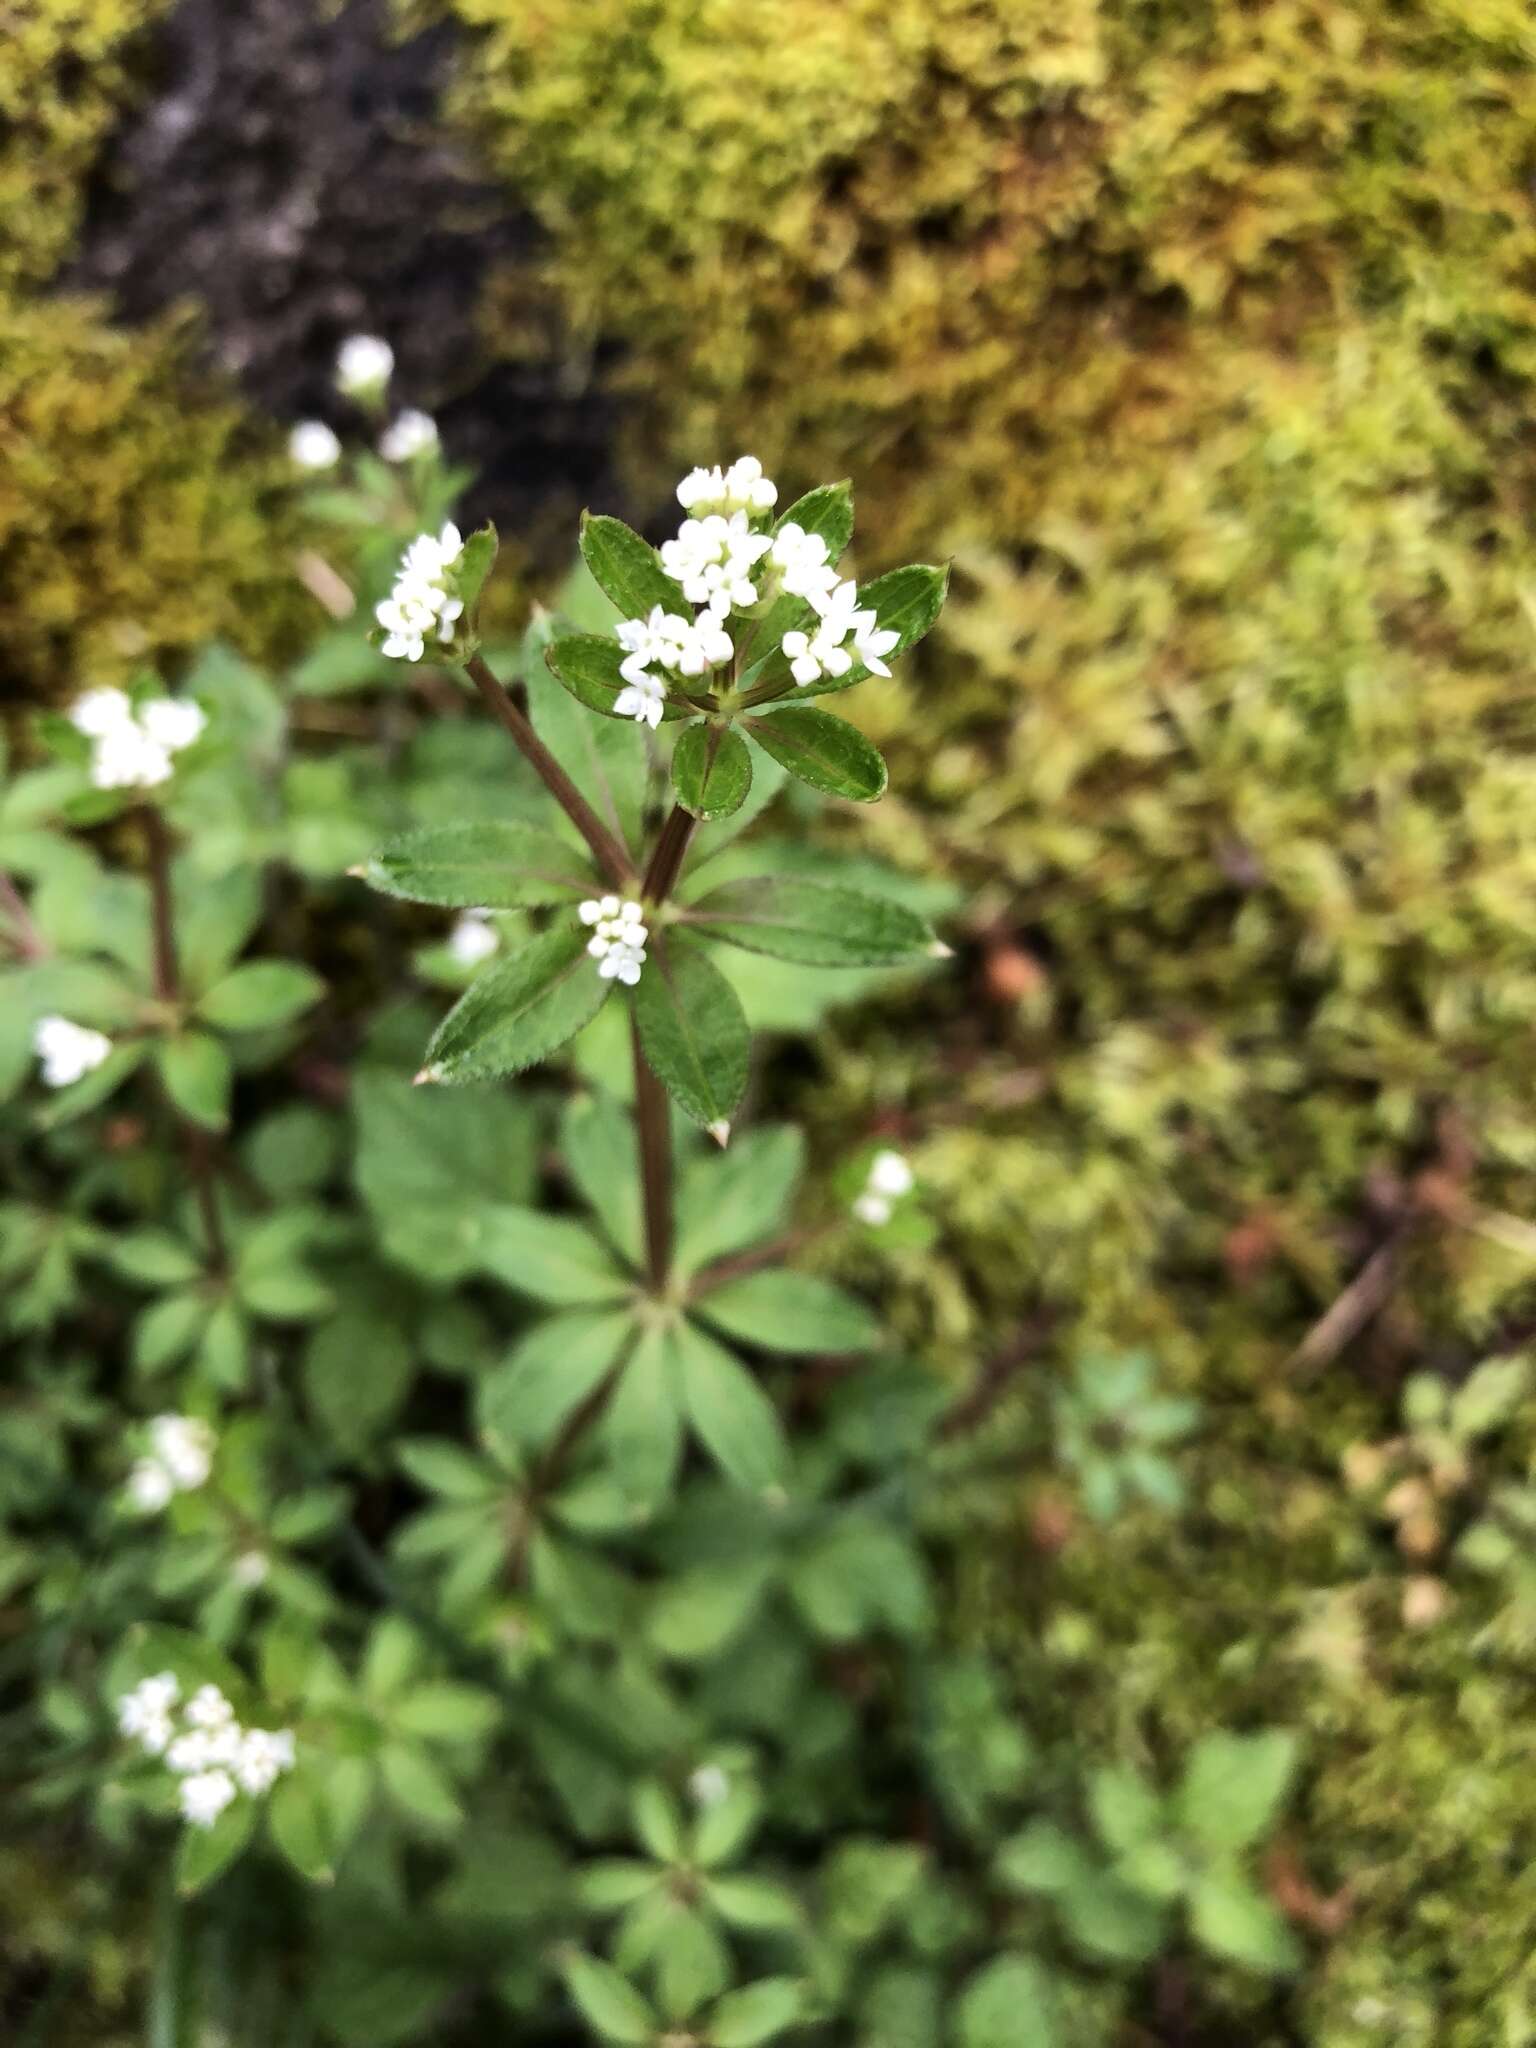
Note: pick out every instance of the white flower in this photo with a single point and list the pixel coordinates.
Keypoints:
(800, 560)
(363, 365)
(872, 1209)
(184, 1446)
(67, 1051)
(150, 1486)
(312, 445)
(208, 1708)
(742, 488)
(127, 758)
(618, 939)
(706, 645)
(644, 700)
(145, 1713)
(422, 601)
(708, 1785)
(472, 939)
(172, 722)
(265, 1753)
(714, 559)
(250, 1568)
(205, 1796)
(889, 1174)
(189, 1752)
(822, 653)
(101, 711)
(410, 433)
(872, 643)
(657, 638)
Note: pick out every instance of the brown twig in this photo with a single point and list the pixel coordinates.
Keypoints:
(1349, 1314)
(996, 1377)
(611, 856)
(667, 859)
(740, 1264)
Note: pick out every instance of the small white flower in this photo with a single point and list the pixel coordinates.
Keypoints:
(312, 445)
(800, 561)
(889, 1174)
(410, 433)
(184, 1446)
(265, 1753)
(657, 638)
(145, 1713)
(644, 700)
(150, 1486)
(67, 1051)
(190, 1752)
(205, 1796)
(741, 488)
(208, 1708)
(618, 938)
(872, 1209)
(714, 560)
(250, 1569)
(872, 643)
(172, 722)
(708, 1785)
(422, 602)
(706, 645)
(127, 758)
(822, 653)
(472, 939)
(101, 711)
(363, 365)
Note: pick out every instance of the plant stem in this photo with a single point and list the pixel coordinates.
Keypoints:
(653, 1122)
(670, 852)
(167, 971)
(610, 855)
(28, 940)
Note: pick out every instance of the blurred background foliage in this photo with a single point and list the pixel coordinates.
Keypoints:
(1202, 337)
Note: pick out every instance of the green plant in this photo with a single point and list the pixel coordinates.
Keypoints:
(1113, 1429)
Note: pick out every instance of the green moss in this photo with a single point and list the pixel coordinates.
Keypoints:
(140, 511)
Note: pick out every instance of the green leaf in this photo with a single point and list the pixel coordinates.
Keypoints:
(727, 1200)
(260, 995)
(299, 1821)
(1125, 1809)
(419, 1785)
(657, 1823)
(698, 1611)
(94, 1088)
(692, 1963)
(1234, 1921)
(358, 1369)
(551, 1258)
(725, 1826)
(793, 1312)
(203, 1854)
(611, 2004)
(605, 757)
(588, 665)
(197, 1075)
(476, 560)
(627, 568)
(827, 510)
(1107, 1919)
(813, 923)
(168, 1330)
(693, 1030)
(442, 1468)
(1234, 1785)
(597, 1143)
(642, 1428)
(1043, 1858)
(1009, 2003)
(550, 1373)
(905, 602)
(443, 1710)
(154, 1258)
(519, 1011)
(489, 863)
(711, 770)
(755, 2013)
(737, 1423)
(758, 1904)
(828, 753)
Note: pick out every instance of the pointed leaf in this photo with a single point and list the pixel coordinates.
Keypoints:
(727, 1200)
(610, 2002)
(490, 864)
(605, 757)
(693, 1029)
(197, 1075)
(627, 568)
(737, 1423)
(550, 1373)
(597, 1143)
(519, 1011)
(260, 995)
(300, 1824)
(756, 2013)
(793, 1312)
(552, 1258)
(1235, 1921)
(827, 510)
(203, 1854)
(813, 923)
(642, 1429)
(711, 770)
(828, 753)
(588, 666)
(1233, 1786)
(1007, 2004)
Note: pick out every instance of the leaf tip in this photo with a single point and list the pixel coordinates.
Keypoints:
(426, 1074)
(359, 871)
(720, 1131)
(939, 951)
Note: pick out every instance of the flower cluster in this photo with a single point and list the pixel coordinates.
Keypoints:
(714, 560)
(214, 1757)
(409, 433)
(423, 600)
(179, 1459)
(618, 938)
(688, 647)
(822, 652)
(741, 488)
(472, 939)
(889, 1179)
(134, 745)
(68, 1051)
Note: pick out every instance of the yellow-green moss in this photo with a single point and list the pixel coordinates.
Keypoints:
(139, 511)
(62, 82)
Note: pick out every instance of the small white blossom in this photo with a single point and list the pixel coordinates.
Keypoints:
(800, 561)
(205, 1796)
(192, 1751)
(618, 938)
(150, 1486)
(145, 1713)
(708, 1785)
(133, 748)
(872, 643)
(472, 939)
(408, 434)
(658, 637)
(714, 560)
(822, 653)
(67, 1051)
(363, 365)
(101, 711)
(250, 1569)
(312, 445)
(889, 1174)
(184, 1446)
(422, 602)
(208, 1708)
(741, 488)
(644, 700)
(874, 1210)
(173, 722)
(265, 1753)
(127, 758)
